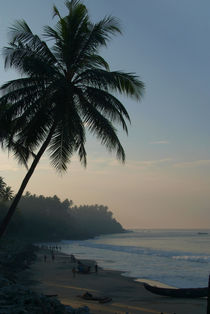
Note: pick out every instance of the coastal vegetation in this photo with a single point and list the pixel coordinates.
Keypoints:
(66, 89)
(41, 218)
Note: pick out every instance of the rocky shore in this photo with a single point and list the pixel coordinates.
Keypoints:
(17, 298)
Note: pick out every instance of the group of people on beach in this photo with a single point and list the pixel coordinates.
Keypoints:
(52, 257)
(81, 267)
(52, 250)
(50, 247)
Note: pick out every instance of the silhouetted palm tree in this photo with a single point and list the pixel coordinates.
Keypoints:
(2, 187)
(6, 193)
(64, 90)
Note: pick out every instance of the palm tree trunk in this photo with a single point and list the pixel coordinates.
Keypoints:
(17, 198)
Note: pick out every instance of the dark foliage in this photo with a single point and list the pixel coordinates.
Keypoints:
(41, 218)
(16, 223)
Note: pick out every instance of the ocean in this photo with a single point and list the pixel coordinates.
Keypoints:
(178, 258)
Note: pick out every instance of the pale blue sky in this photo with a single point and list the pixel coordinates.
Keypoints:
(166, 180)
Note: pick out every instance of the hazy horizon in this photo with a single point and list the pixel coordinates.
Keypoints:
(165, 182)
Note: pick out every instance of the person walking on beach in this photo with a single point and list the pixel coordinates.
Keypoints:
(96, 268)
(53, 256)
(45, 258)
(74, 271)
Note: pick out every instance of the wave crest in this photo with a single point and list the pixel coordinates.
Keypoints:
(179, 256)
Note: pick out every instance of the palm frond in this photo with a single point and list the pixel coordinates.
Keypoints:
(116, 81)
(23, 95)
(68, 138)
(20, 32)
(27, 49)
(107, 27)
(108, 105)
(20, 152)
(56, 12)
(94, 60)
(101, 127)
(9, 141)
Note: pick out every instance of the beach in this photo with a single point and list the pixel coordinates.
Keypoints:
(55, 277)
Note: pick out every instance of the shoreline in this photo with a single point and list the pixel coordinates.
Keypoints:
(127, 294)
(127, 274)
(167, 260)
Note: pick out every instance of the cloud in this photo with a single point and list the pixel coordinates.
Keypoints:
(193, 164)
(160, 143)
(107, 165)
(149, 163)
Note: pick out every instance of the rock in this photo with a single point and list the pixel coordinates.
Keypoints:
(4, 281)
(19, 299)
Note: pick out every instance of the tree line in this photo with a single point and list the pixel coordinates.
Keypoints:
(41, 218)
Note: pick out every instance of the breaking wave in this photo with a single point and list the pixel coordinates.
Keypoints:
(176, 255)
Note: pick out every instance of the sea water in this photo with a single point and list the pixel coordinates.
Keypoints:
(178, 258)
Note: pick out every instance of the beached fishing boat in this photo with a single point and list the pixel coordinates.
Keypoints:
(178, 293)
(89, 296)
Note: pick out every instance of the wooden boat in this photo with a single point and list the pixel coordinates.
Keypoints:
(89, 296)
(178, 293)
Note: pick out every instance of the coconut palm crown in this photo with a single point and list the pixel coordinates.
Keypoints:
(65, 88)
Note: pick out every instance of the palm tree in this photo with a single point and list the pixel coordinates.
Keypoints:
(65, 89)
(2, 187)
(6, 193)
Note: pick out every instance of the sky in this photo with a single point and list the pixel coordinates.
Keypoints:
(165, 182)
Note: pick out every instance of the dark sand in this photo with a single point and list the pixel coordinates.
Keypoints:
(128, 296)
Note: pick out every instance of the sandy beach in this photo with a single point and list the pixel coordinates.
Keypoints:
(128, 296)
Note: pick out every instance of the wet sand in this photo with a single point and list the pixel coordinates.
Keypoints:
(128, 296)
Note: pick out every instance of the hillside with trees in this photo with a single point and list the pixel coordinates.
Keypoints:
(42, 218)
(50, 218)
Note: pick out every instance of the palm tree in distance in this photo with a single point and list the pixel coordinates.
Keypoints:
(2, 188)
(6, 193)
(63, 91)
